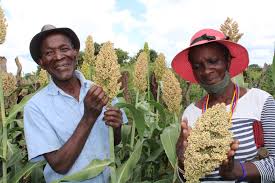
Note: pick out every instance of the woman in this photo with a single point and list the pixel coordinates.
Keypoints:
(211, 60)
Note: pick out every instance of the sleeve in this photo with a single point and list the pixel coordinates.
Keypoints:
(39, 134)
(124, 117)
(266, 166)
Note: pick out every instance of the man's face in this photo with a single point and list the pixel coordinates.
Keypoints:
(58, 57)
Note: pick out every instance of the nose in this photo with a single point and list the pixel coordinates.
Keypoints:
(207, 69)
(58, 55)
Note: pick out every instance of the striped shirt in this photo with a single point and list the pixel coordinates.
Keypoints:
(257, 105)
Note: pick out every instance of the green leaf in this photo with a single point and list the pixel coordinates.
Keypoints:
(160, 108)
(124, 172)
(125, 133)
(37, 175)
(155, 154)
(26, 170)
(169, 139)
(273, 69)
(14, 158)
(239, 80)
(17, 108)
(92, 170)
(163, 181)
(138, 117)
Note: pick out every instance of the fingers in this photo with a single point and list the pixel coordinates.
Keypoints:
(113, 117)
(185, 130)
(231, 153)
(97, 96)
(233, 148)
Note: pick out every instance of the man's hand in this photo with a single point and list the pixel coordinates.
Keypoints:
(94, 102)
(113, 117)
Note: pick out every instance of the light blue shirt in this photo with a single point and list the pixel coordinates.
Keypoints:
(50, 118)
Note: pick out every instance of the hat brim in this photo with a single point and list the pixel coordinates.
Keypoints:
(36, 41)
(239, 62)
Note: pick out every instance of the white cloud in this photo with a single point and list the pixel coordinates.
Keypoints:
(172, 23)
(96, 18)
(167, 25)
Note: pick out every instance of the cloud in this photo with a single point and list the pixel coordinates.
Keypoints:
(167, 25)
(172, 23)
(96, 18)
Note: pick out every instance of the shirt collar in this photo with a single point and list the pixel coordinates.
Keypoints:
(53, 89)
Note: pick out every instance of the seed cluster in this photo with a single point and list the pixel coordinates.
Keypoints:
(208, 143)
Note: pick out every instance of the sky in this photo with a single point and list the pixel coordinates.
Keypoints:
(167, 25)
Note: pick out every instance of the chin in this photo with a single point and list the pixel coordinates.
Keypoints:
(64, 76)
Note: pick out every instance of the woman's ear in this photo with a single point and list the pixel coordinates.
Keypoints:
(228, 62)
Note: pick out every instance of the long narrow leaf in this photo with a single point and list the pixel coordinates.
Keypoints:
(124, 172)
(92, 170)
(169, 138)
(25, 170)
(138, 117)
(17, 108)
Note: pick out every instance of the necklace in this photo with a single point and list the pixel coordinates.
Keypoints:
(233, 104)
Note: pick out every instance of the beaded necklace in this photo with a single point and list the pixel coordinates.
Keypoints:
(233, 104)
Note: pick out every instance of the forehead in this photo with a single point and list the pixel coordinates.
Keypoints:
(55, 40)
(210, 49)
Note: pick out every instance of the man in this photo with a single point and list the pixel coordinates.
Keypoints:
(64, 122)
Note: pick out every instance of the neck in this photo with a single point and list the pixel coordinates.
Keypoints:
(71, 87)
(224, 97)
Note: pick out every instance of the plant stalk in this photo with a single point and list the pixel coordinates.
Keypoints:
(134, 125)
(4, 130)
(112, 155)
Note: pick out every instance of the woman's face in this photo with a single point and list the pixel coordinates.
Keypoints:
(208, 63)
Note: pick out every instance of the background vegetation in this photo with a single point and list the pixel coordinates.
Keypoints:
(153, 103)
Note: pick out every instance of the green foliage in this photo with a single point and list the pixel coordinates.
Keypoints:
(97, 48)
(153, 55)
(239, 79)
(27, 169)
(266, 83)
(92, 170)
(273, 69)
(124, 172)
(122, 56)
(147, 150)
(169, 139)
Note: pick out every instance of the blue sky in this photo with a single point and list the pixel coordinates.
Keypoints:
(167, 25)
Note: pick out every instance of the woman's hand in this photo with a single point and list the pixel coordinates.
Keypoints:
(230, 168)
(182, 142)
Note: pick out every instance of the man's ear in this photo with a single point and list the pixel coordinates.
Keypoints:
(76, 52)
(40, 63)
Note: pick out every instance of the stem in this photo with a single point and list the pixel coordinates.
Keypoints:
(112, 155)
(175, 171)
(158, 94)
(134, 125)
(5, 134)
(148, 78)
(176, 118)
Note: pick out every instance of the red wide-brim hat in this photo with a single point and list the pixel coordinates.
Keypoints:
(239, 61)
